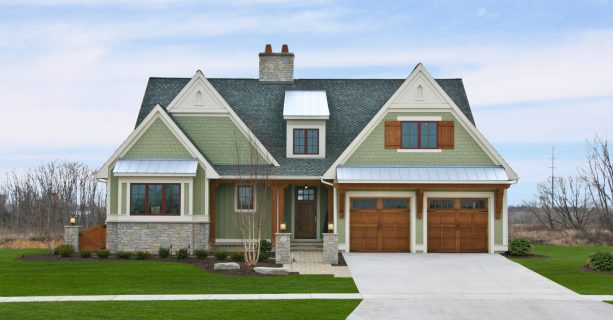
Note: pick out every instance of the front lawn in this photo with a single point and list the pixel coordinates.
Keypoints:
(146, 310)
(111, 277)
(563, 265)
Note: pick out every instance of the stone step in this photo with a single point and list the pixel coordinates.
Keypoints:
(307, 246)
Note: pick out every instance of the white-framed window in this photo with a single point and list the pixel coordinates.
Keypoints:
(244, 198)
(306, 139)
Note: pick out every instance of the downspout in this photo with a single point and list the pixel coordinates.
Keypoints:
(334, 203)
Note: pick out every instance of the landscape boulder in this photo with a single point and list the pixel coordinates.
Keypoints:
(271, 271)
(226, 266)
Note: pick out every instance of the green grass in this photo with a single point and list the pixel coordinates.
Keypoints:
(103, 277)
(563, 265)
(134, 310)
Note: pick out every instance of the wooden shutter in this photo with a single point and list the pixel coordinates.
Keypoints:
(392, 134)
(445, 135)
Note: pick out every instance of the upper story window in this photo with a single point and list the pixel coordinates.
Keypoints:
(419, 135)
(245, 198)
(155, 199)
(306, 141)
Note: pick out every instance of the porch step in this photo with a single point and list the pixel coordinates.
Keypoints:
(304, 246)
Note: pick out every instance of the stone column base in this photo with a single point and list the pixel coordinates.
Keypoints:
(71, 236)
(331, 248)
(282, 248)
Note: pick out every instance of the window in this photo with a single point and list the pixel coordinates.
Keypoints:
(155, 199)
(305, 194)
(363, 203)
(441, 204)
(306, 141)
(419, 135)
(245, 198)
(472, 204)
(395, 203)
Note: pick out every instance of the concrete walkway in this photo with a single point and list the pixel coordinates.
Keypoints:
(305, 262)
(462, 286)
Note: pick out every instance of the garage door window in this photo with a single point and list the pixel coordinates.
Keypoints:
(363, 203)
(472, 204)
(441, 204)
(395, 203)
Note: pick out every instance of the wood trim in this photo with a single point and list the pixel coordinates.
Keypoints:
(212, 207)
(274, 189)
(498, 203)
(341, 203)
(282, 202)
(329, 216)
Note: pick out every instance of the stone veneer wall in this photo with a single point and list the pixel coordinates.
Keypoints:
(150, 236)
(276, 67)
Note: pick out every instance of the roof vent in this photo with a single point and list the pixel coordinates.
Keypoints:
(276, 67)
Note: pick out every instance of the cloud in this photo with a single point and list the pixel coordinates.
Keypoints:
(481, 12)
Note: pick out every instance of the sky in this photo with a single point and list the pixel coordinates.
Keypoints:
(538, 74)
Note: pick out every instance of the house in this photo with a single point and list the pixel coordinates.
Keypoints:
(388, 164)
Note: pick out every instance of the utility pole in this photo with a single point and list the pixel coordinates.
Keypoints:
(552, 173)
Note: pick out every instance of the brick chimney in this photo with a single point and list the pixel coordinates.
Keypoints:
(276, 67)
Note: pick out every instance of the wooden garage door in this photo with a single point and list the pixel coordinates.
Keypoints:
(379, 225)
(457, 225)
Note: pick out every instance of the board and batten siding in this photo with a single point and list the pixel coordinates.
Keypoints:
(218, 138)
(226, 221)
(466, 151)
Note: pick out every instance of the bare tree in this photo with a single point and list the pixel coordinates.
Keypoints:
(599, 173)
(565, 204)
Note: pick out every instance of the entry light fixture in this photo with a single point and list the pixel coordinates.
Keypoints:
(73, 220)
(330, 227)
(306, 187)
(283, 226)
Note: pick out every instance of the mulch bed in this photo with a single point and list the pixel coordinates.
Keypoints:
(341, 261)
(587, 268)
(531, 256)
(204, 264)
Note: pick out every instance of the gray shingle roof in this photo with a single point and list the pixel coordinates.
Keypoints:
(352, 104)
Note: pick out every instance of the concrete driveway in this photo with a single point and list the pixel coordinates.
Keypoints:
(461, 286)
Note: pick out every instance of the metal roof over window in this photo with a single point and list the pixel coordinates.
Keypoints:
(156, 167)
(421, 174)
(301, 104)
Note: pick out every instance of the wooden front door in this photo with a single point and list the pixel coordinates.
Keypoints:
(305, 213)
(379, 225)
(457, 225)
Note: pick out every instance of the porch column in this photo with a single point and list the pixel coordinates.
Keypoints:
(71, 236)
(274, 213)
(335, 208)
(282, 202)
(212, 209)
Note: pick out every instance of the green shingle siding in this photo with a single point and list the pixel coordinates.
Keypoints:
(218, 139)
(419, 231)
(199, 192)
(114, 192)
(186, 198)
(124, 198)
(157, 142)
(465, 152)
(226, 222)
(498, 231)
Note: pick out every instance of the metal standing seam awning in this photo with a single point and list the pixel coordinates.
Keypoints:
(305, 104)
(421, 174)
(156, 167)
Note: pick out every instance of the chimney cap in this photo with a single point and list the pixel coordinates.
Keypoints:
(268, 48)
(284, 49)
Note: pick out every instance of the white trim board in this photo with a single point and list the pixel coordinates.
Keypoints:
(157, 113)
(442, 100)
(218, 106)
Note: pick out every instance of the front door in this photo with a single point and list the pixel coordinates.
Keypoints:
(305, 213)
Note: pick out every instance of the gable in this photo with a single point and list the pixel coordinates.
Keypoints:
(418, 93)
(219, 139)
(157, 141)
(197, 97)
(466, 151)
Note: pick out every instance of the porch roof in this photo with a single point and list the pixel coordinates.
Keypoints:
(156, 167)
(421, 174)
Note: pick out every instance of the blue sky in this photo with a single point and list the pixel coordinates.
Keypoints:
(538, 73)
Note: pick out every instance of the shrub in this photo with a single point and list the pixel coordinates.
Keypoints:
(238, 256)
(182, 254)
(142, 255)
(164, 252)
(65, 250)
(85, 253)
(602, 261)
(520, 247)
(103, 254)
(56, 251)
(123, 254)
(221, 255)
(201, 253)
(264, 256)
(265, 246)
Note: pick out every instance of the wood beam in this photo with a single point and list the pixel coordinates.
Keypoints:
(420, 202)
(330, 204)
(499, 195)
(212, 208)
(341, 203)
(282, 203)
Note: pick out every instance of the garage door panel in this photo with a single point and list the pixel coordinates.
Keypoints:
(384, 229)
(457, 230)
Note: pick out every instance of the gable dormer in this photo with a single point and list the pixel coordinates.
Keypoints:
(306, 114)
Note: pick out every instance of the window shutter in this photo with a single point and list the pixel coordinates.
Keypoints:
(445, 135)
(392, 135)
